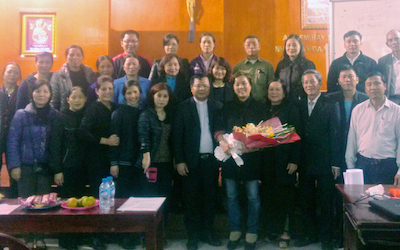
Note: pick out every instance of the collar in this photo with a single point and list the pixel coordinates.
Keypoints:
(209, 59)
(355, 58)
(385, 104)
(395, 59)
(200, 102)
(315, 100)
(247, 60)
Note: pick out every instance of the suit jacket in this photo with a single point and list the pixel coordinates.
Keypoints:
(187, 131)
(338, 99)
(385, 66)
(319, 137)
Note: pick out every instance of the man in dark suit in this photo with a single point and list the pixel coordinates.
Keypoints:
(344, 100)
(319, 123)
(194, 144)
(389, 66)
(354, 57)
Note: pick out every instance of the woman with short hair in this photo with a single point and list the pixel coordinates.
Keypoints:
(171, 45)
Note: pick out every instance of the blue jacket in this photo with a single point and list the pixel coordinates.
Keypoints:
(29, 137)
(119, 84)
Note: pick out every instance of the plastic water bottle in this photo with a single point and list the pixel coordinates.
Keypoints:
(104, 195)
(112, 190)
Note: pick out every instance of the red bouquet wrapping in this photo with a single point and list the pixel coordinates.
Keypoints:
(266, 134)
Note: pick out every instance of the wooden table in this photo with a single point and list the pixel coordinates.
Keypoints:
(59, 220)
(363, 226)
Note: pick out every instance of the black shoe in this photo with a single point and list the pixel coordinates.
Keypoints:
(327, 245)
(304, 242)
(233, 244)
(97, 244)
(192, 243)
(211, 240)
(128, 243)
(250, 246)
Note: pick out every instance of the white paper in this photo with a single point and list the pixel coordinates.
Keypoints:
(235, 150)
(142, 204)
(376, 190)
(353, 177)
(7, 209)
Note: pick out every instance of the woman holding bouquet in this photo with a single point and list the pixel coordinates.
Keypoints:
(279, 168)
(241, 110)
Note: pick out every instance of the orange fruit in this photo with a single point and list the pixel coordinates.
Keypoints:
(72, 202)
(92, 201)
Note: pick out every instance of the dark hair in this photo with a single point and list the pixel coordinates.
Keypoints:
(220, 62)
(102, 58)
(84, 92)
(129, 84)
(44, 54)
(103, 79)
(73, 47)
(157, 88)
(130, 56)
(347, 67)
(207, 34)
(375, 73)
(198, 76)
(165, 60)
(129, 32)
(39, 83)
(352, 33)
(284, 88)
(314, 72)
(251, 36)
(12, 63)
(298, 39)
(168, 37)
(241, 73)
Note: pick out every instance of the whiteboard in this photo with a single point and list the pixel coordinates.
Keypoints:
(372, 18)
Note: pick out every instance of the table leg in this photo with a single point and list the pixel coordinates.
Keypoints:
(155, 237)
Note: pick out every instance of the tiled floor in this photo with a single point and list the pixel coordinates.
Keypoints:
(181, 245)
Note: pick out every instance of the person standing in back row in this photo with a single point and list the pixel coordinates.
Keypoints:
(261, 70)
(353, 56)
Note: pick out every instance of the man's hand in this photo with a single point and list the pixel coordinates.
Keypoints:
(335, 172)
(16, 173)
(114, 170)
(59, 179)
(397, 179)
(182, 169)
(291, 168)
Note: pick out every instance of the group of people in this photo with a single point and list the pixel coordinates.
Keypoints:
(140, 123)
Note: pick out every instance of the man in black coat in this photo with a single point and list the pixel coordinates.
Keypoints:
(353, 56)
(344, 100)
(319, 123)
(193, 145)
(390, 64)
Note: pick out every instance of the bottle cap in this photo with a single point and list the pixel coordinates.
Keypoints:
(110, 178)
(104, 179)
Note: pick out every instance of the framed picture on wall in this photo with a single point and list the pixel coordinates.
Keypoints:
(38, 33)
(314, 14)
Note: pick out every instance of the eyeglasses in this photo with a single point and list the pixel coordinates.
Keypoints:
(130, 41)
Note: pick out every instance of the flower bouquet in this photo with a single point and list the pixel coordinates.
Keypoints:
(266, 134)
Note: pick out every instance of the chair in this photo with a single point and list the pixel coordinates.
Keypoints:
(12, 243)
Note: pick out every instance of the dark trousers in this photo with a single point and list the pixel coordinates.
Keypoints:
(311, 187)
(32, 183)
(162, 185)
(377, 171)
(200, 189)
(74, 183)
(131, 181)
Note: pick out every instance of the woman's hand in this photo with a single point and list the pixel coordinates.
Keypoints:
(59, 179)
(225, 146)
(291, 168)
(16, 174)
(113, 140)
(114, 170)
(146, 161)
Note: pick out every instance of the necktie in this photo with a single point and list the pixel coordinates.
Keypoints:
(310, 108)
